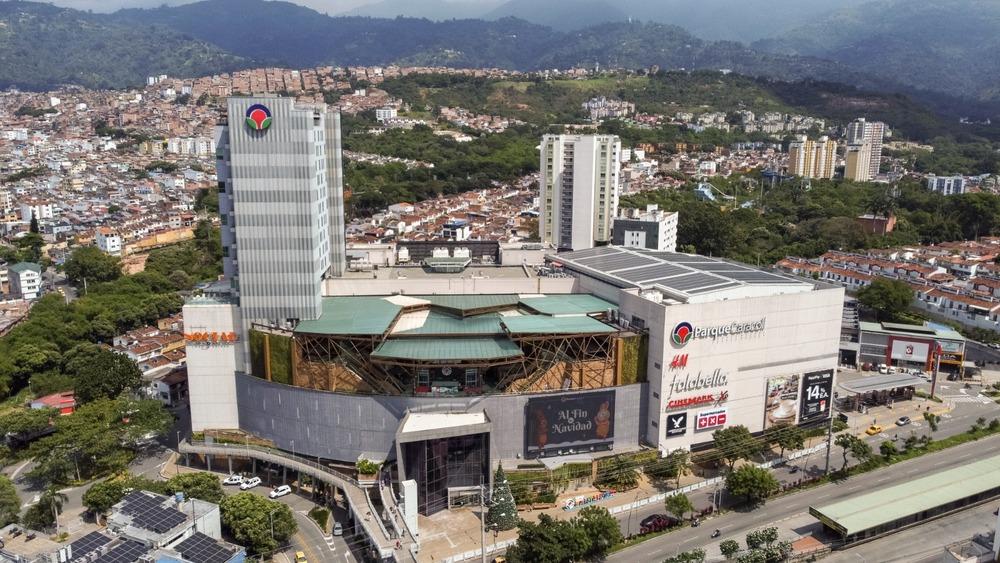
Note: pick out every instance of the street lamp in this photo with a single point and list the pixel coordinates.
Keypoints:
(271, 520)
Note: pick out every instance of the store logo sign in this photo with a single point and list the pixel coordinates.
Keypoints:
(684, 332)
(711, 419)
(700, 381)
(722, 397)
(677, 424)
(258, 117)
(679, 361)
(909, 349)
(211, 337)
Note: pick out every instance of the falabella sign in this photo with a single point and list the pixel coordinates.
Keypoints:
(684, 331)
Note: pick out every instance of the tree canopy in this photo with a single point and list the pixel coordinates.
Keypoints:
(101, 437)
(104, 373)
(88, 262)
(735, 443)
(251, 518)
(887, 297)
(549, 541)
(752, 482)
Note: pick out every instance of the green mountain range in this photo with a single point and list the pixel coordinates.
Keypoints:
(42, 46)
(948, 46)
(943, 51)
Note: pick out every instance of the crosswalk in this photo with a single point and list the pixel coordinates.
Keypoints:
(983, 400)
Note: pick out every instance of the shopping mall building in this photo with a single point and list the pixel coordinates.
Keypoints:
(625, 349)
(728, 344)
(445, 367)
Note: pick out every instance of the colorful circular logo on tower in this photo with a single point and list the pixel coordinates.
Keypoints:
(682, 333)
(258, 117)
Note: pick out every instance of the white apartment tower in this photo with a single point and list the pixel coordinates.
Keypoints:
(281, 203)
(861, 131)
(857, 161)
(578, 185)
(812, 159)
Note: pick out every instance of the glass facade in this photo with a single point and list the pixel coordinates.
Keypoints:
(439, 464)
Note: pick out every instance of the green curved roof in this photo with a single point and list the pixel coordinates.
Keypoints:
(447, 349)
(540, 324)
(352, 316)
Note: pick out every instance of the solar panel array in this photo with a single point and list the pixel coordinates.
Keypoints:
(126, 552)
(685, 273)
(148, 512)
(88, 544)
(200, 548)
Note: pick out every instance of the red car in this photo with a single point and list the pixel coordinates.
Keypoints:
(656, 523)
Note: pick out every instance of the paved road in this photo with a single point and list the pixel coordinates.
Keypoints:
(924, 543)
(976, 352)
(309, 538)
(736, 524)
(965, 414)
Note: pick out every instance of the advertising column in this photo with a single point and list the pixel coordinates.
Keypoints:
(817, 388)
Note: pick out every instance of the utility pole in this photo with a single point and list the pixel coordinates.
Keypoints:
(829, 441)
(271, 520)
(482, 521)
(630, 511)
(937, 368)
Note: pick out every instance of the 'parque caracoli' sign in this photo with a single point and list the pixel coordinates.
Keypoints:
(684, 332)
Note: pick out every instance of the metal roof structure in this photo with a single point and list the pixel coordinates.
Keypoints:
(465, 305)
(429, 322)
(353, 316)
(569, 304)
(899, 329)
(439, 315)
(538, 324)
(447, 349)
(682, 275)
(880, 383)
(910, 498)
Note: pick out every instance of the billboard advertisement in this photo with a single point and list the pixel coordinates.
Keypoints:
(909, 351)
(781, 400)
(817, 389)
(577, 423)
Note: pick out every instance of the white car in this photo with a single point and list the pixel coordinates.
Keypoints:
(338, 530)
(250, 483)
(280, 491)
(233, 479)
(883, 369)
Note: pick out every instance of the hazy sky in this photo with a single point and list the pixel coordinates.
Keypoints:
(328, 6)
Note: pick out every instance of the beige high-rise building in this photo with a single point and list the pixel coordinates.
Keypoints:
(812, 159)
(578, 189)
(858, 160)
(861, 131)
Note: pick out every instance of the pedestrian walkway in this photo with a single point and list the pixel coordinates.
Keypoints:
(359, 503)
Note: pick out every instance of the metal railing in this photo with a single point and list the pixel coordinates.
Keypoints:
(378, 535)
(280, 453)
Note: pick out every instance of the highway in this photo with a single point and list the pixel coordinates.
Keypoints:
(736, 524)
